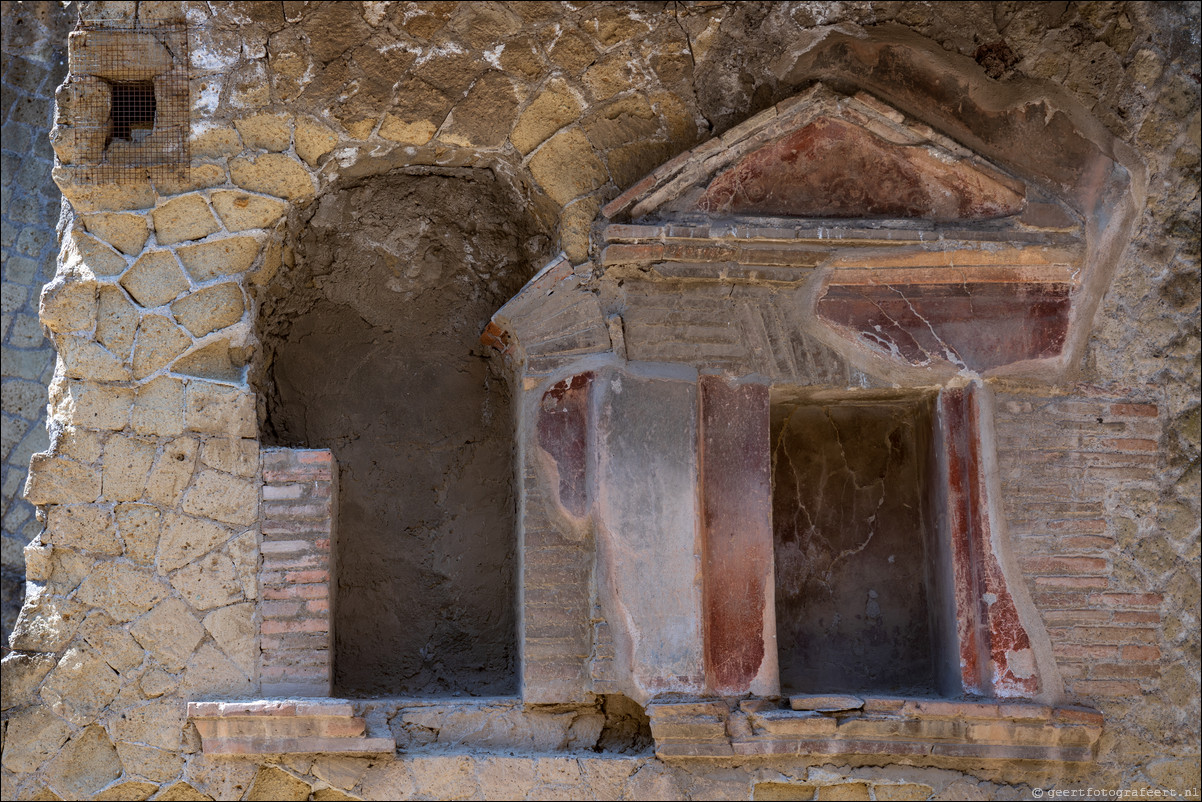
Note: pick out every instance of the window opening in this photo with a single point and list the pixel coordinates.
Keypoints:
(133, 111)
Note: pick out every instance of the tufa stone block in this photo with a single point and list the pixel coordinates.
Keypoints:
(241, 211)
(125, 232)
(68, 303)
(209, 260)
(184, 218)
(169, 632)
(159, 407)
(116, 322)
(155, 279)
(566, 167)
(210, 309)
(273, 174)
(266, 131)
(157, 343)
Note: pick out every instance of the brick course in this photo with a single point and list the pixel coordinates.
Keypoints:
(296, 571)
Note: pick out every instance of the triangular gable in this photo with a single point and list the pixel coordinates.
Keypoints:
(823, 155)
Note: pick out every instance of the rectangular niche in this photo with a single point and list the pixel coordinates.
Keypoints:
(863, 601)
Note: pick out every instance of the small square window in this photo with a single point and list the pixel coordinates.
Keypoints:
(132, 113)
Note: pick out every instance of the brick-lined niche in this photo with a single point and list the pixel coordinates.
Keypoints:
(296, 572)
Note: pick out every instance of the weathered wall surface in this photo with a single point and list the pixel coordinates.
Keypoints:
(141, 578)
(374, 352)
(34, 63)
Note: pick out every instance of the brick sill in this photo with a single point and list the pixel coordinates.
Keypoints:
(912, 728)
(284, 727)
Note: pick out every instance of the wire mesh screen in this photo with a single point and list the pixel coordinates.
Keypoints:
(128, 101)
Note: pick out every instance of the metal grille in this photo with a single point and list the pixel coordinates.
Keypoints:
(130, 98)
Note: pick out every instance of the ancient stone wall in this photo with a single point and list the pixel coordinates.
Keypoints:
(34, 42)
(144, 592)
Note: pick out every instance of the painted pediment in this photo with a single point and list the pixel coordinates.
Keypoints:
(827, 156)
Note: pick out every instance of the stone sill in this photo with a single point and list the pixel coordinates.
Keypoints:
(911, 728)
(285, 726)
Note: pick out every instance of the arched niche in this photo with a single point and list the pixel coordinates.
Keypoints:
(837, 262)
(371, 351)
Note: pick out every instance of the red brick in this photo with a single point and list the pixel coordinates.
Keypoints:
(1133, 652)
(1124, 671)
(1084, 652)
(306, 577)
(1105, 687)
(1061, 618)
(318, 591)
(1064, 565)
(1133, 444)
(1127, 599)
(1137, 617)
(1134, 410)
(1114, 635)
(304, 625)
(1071, 582)
(317, 606)
(280, 609)
(1063, 600)
(283, 563)
(1078, 715)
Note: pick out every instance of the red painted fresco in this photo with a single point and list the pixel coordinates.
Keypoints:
(995, 649)
(736, 502)
(833, 168)
(974, 325)
(563, 435)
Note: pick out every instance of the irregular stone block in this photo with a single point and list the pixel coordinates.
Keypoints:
(172, 472)
(159, 407)
(219, 409)
(81, 249)
(94, 406)
(223, 497)
(169, 633)
(68, 303)
(233, 629)
(241, 211)
(232, 455)
(395, 129)
(266, 131)
(20, 677)
(81, 686)
(53, 480)
(138, 526)
(127, 462)
(131, 791)
(184, 539)
(209, 260)
(86, 764)
(158, 341)
(210, 308)
(155, 279)
(116, 322)
(88, 527)
(33, 735)
(125, 232)
(313, 141)
(566, 167)
(123, 590)
(648, 548)
(46, 622)
(184, 218)
(209, 582)
(84, 359)
(90, 196)
(273, 174)
(112, 642)
(555, 107)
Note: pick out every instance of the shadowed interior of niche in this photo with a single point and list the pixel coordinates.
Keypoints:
(861, 595)
(371, 349)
